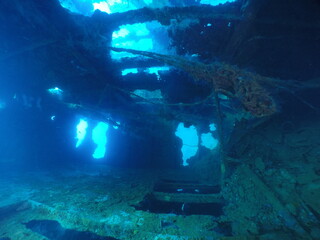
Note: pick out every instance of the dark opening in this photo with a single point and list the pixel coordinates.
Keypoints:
(186, 188)
(54, 231)
(151, 204)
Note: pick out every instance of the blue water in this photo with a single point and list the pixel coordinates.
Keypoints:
(216, 102)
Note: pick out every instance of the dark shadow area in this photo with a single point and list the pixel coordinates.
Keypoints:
(224, 228)
(54, 231)
(186, 188)
(151, 204)
(9, 210)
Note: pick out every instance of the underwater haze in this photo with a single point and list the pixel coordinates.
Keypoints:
(160, 120)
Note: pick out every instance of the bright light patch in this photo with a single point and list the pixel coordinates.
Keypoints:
(83, 7)
(190, 141)
(87, 7)
(113, 6)
(208, 141)
(55, 91)
(120, 5)
(99, 137)
(215, 2)
(102, 6)
(123, 32)
(212, 127)
(115, 2)
(129, 70)
(150, 70)
(142, 29)
(144, 44)
(138, 29)
(155, 70)
(81, 131)
(140, 36)
(117, 125)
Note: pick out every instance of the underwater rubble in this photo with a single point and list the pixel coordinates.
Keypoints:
(262, 199)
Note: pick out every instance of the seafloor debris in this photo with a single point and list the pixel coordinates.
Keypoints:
(227, 79)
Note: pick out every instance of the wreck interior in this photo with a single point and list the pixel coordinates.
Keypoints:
(209, 112)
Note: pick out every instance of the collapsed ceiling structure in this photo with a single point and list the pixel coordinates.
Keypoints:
(253, 52)
(52, 47)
